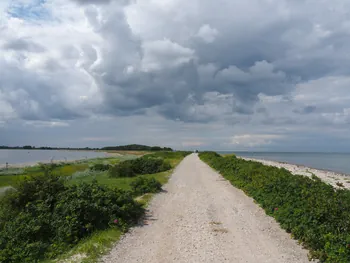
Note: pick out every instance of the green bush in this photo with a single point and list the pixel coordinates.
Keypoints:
(168, 155)
(100, 167)
(43, 217)
(312, 211)
(139, 166)
(143, 185)
(123, 169)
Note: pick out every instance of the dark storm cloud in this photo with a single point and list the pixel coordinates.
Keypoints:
(165, 74)
(243, 59)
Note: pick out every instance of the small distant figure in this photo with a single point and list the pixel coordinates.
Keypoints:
(7, 166)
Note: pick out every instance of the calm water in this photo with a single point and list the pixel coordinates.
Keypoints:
(34, 156)
(338, 162)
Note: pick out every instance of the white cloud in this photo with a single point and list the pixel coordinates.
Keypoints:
(254, 140)
(207, 33)
(162, 54)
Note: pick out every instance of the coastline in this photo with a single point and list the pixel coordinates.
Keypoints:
(31, 164)
(337, 180)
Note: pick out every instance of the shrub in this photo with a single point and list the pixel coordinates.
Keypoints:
(314, 212)
(123, 169)
(143, 185)
(43, 217)
(100, 167)
(139, 166)
(168, 155)
(85, 173)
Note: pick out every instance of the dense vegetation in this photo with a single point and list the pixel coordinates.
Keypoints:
(312, 211)
(142, 185)
(90, 167)
(148, 164)
(54, 206)
(43, 216)
(100, 167)
(136, 147)
(139, 166)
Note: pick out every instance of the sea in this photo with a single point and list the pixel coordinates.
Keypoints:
(336, 162)
(19, 157)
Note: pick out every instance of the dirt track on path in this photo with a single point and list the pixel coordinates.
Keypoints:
(200, 217)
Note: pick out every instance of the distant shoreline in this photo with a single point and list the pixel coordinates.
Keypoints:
(336, 179)
(38, 149)
(296, 164)
(35, 163)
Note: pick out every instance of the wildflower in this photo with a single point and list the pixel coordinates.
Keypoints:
(276, 208)
(115, 221)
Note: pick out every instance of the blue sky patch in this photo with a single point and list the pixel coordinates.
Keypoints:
(34, 10)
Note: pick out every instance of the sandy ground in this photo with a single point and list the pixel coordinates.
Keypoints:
(201, 217)
(335, 179)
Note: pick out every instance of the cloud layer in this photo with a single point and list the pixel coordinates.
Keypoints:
(264, 71)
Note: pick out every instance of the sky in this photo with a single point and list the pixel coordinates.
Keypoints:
(255, 75)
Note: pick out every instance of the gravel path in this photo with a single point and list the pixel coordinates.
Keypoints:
(201, 217)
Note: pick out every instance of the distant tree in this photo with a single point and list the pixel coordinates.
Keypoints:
(27, 147)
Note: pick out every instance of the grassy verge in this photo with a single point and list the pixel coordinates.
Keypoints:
(93, 247)
(313, 212)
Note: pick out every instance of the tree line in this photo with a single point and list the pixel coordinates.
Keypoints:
(130, 147)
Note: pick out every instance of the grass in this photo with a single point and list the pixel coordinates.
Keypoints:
(122, 183)
(145, 199)
(12, 176)
(68, 170)
(90, 249)
(8, 180)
